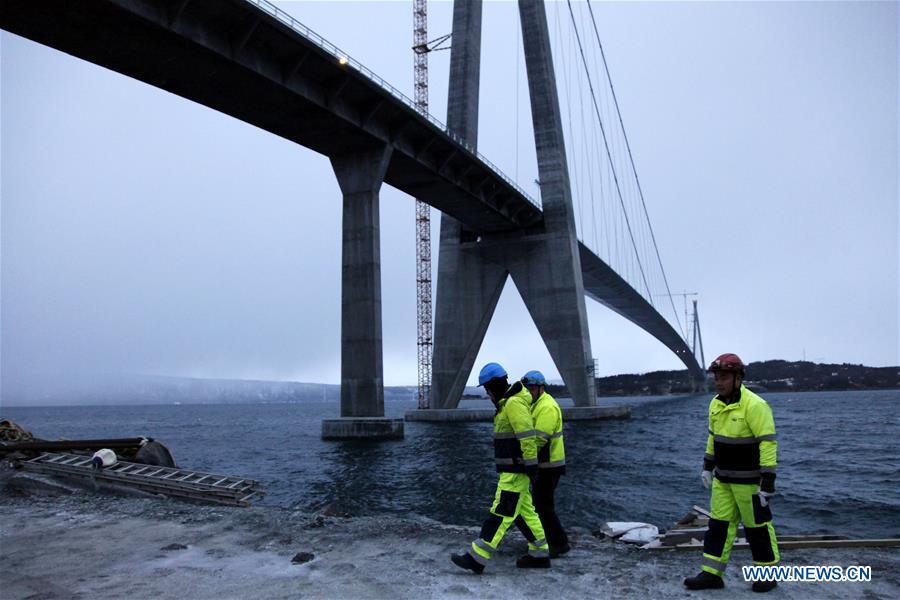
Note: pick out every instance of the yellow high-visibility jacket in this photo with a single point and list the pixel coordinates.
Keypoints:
(548, 424)
(514, 438)
(741, 443)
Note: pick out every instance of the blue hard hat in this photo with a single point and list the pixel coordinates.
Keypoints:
(490, 371)
(534, 378)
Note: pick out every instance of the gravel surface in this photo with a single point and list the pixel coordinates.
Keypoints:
(76, 544)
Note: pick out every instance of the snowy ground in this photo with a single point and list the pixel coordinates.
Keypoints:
(85, 545)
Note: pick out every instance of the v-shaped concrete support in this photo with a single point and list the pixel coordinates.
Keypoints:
(545, 264)
(547, 273)
(468, 288)
(468, 285)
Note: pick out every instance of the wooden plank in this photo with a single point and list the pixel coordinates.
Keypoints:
(870, 543)
(702, 511)
(680, 536)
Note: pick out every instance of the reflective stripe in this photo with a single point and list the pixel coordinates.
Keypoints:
(542, 434)
(746, 474)
(504, 435)
(712, 563)
(767, 438)
(483, 545)
(538, 543)
(478, 558)
(504, 461)
(558, 434)
(709, 456)
(767, 469)
(531, 461)
(550, 465)
(539, 553)
(526, 434)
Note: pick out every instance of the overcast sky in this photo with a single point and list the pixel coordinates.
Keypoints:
(142, 233)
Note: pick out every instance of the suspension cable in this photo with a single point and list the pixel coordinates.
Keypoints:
(631, 158)
(606, 143)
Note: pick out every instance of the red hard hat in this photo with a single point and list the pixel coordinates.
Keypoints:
(727, 362)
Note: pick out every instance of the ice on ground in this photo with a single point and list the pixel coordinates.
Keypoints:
(95, 546)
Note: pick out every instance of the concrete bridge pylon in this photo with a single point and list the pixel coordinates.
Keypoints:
(543, 261)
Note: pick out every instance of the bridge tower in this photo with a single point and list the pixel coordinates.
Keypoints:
(544, 263)
(699, 384)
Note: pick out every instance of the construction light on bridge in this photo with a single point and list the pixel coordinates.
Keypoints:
(343, 60)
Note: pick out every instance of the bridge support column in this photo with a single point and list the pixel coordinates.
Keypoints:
(545, 265)
(360, 174)
(548, 272)
(549, 281)
(468, 289)
(468, 284)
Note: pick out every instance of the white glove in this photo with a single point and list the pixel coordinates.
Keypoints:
(764, 497)
(706, 477)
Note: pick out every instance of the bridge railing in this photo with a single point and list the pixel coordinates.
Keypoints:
(345, 59)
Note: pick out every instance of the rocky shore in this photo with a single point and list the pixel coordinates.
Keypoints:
(59, 544)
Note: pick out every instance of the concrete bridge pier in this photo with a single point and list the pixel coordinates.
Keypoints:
(547, 268)
(468, 285)
(543, 263)
(360, 174)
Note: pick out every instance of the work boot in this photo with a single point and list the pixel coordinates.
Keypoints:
(764, 586)
(527, 561)
(557, 551)
(465, 561)
(704, 581)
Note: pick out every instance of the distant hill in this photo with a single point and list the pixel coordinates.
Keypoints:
(768, 375)
(152, 389)
(144, 389)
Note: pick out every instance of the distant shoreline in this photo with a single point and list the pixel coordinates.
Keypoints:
(564, 400)
(766, 377)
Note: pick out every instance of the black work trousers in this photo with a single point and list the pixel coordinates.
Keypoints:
(542, 492)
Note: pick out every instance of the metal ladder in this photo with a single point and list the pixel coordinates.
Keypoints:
(169, 481)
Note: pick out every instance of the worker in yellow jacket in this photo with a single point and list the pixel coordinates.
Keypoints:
(515, 455)
(740, 465)
(551, 452)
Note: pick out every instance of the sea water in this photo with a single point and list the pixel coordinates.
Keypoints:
(838, 458)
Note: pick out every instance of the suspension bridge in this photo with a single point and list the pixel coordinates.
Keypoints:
(587, 235)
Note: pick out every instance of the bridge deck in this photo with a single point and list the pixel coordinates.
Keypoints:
(608, 288)
(240, 60)
(248, 60)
